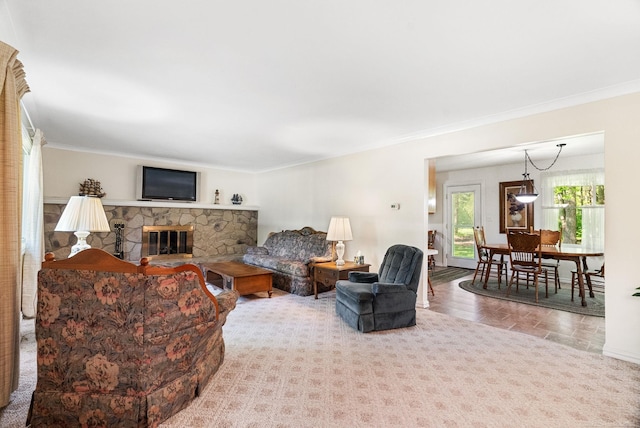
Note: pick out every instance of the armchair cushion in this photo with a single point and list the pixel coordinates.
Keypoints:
(382, 287)
(369, 277)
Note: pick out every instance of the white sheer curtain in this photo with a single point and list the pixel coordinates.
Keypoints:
(32, 227)
(592, 216)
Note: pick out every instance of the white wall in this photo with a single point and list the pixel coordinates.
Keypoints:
(64, 170)
(363, 185)
(360, 186)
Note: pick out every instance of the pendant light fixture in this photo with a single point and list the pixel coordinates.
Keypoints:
(528, 192)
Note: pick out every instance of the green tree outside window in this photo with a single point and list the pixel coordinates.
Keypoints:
(573, 199)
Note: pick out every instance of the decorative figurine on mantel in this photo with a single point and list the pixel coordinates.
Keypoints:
(216, 199)
(91, 187)
(236, 199)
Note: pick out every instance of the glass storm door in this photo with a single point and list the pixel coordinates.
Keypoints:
(464, 213)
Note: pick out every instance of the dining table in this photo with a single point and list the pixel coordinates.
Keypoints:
(576, 255)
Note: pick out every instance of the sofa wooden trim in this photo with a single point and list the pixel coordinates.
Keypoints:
(101, 261)
(90, 259)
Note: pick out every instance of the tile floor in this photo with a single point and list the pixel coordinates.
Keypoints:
(578, 331)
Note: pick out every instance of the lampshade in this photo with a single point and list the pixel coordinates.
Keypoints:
(526, 198)
(83, 214)
(339, 229)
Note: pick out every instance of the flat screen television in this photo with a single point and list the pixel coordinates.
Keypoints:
(167, 184)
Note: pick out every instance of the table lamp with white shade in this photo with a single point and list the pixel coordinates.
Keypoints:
(339, 230)
(82, 215)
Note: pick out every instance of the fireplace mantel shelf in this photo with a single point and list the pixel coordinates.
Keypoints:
(161, 204)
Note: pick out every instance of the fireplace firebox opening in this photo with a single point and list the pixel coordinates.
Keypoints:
(167, 241)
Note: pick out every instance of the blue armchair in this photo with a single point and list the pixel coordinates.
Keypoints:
(383, 300)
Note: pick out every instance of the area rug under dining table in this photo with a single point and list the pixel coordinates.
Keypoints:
(560, 300)
(441, 275)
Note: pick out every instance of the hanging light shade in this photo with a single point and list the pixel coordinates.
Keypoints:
(528, 192)
(525, 195)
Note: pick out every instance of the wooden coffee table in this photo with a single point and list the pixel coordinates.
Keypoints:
(245, 279)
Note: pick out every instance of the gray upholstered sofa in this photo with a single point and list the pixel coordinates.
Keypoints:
(290, 255)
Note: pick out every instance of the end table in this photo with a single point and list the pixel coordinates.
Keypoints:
(328, 273)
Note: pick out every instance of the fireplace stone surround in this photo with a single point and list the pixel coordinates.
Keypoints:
(219, 232)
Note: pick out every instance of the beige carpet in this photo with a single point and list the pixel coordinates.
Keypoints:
(291, 362)
(15, 414)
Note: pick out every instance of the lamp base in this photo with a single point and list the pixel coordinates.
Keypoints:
(340, 253)
(81, 244)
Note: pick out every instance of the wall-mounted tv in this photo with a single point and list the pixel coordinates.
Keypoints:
(167, 184)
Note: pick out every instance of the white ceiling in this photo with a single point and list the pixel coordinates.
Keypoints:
(256, 85)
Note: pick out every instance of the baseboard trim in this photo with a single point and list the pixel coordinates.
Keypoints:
(620, 354)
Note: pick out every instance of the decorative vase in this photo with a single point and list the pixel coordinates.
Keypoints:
(516, 219)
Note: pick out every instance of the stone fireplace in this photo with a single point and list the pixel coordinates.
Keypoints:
(212, 232)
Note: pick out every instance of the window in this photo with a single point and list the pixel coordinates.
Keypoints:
(573, 202)
(463, 210)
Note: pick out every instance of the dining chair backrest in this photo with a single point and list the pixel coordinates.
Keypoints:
(478, 235)
(550, 238)
(525, 249)
(431, 244)
(431, 239)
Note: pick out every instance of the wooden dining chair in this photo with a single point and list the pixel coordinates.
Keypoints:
(595, 278)
(431, 259)
(551, 238)
(525, 256)
(431, 244)
(483, 258)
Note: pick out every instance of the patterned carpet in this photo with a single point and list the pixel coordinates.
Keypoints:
(290, 362)
(15, 414)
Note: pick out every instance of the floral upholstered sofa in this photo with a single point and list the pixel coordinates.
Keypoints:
(290, 255)
(120, 344)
